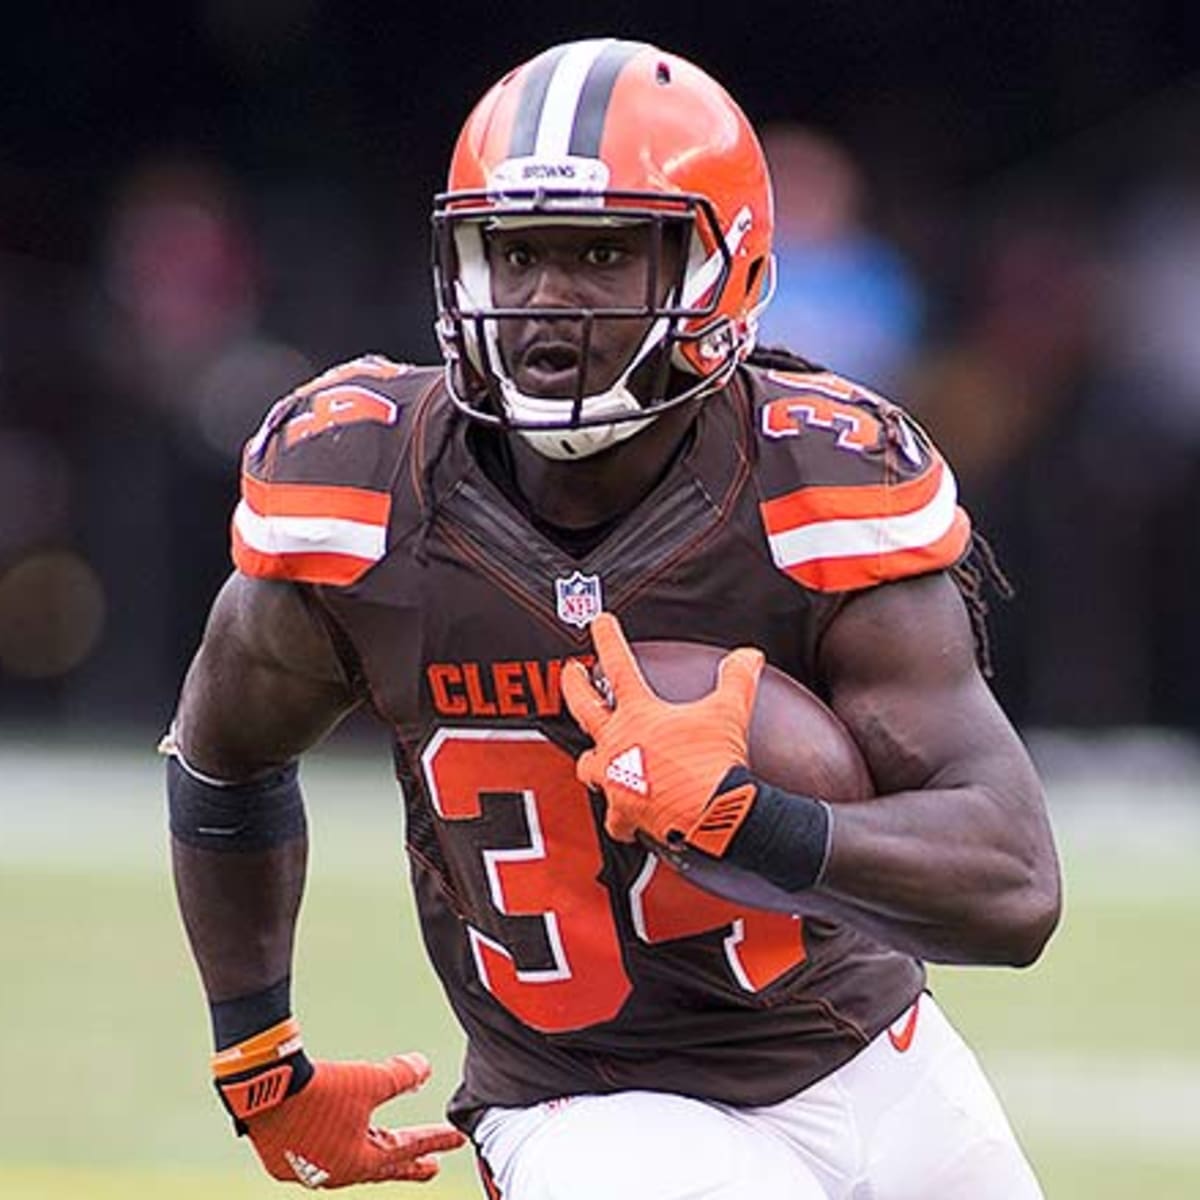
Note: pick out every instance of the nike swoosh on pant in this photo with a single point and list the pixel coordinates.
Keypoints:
(903, 1038)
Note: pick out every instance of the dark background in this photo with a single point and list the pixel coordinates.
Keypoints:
(203, 203)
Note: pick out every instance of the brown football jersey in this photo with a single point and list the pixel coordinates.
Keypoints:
(576, 963)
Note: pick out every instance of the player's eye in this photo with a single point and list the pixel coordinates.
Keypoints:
(604, 254)
(518, 255)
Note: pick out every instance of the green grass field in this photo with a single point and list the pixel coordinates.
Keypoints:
(104, 1042)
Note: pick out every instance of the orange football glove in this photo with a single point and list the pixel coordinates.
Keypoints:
(319, 1133)
(658, 764)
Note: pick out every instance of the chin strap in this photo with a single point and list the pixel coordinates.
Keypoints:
(568, 444)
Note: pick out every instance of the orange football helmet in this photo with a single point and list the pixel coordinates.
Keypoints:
(607, 131)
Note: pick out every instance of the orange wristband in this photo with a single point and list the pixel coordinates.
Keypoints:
(260, 1050)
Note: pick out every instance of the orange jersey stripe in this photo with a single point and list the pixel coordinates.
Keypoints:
(841, 538)
(809, 504)
(316, 500)
(867, 570)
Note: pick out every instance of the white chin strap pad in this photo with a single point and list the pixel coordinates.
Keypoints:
(567, 444)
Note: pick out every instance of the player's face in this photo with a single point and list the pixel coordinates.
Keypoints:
(579, 267)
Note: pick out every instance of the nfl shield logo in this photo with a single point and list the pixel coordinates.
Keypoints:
(579, 598)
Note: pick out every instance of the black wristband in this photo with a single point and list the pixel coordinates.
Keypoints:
(784, 837)
(242, 1017)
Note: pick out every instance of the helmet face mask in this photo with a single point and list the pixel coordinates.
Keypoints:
(662, 126)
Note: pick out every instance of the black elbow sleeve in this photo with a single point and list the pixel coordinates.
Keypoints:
(235, 817)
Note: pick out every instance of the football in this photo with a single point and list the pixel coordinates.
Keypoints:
(796, 743)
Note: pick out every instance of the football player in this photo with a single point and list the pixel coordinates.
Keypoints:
(604, 457)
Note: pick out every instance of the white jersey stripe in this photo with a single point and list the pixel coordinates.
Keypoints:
(851, 537)
(310, 535)
(562, 97)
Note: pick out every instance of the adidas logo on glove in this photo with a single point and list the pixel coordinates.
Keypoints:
(308, 1173)
(628, 770)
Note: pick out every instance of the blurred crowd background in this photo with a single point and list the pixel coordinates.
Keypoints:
(990, 212)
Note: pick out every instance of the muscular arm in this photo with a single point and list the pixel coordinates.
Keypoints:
(954, 860)
(265, 685)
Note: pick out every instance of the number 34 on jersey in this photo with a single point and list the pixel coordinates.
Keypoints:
(555, 876)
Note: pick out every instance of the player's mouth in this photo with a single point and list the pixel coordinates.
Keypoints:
(549, 369)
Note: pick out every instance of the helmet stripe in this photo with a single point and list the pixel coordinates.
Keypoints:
(592, 109)
(562, 100)
(532, 102)
(565, 98)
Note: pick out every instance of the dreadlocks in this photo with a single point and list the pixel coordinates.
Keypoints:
(976, 573)
(779, 358)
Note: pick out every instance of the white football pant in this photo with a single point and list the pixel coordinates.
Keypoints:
(908, 1118)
